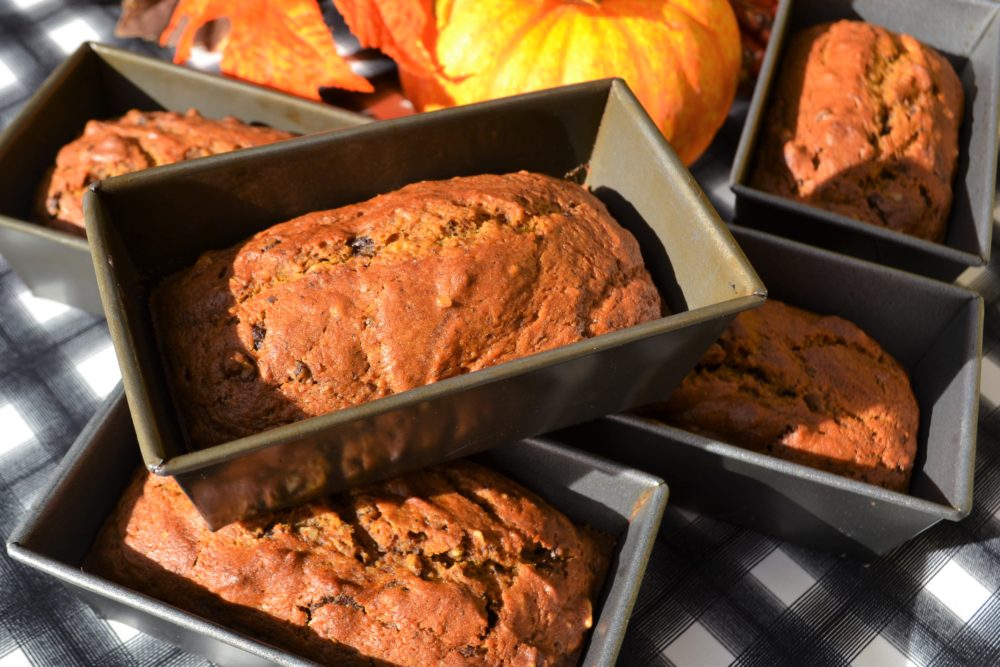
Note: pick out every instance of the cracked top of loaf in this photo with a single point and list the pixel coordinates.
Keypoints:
(339, 307)
(809, 388)
(864, 122)
(136, 141)
(453, 565)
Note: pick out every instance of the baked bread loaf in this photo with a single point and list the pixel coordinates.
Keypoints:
(864, 122)
(138, 140)
(339, 307)
(453, 565)
(808, 388)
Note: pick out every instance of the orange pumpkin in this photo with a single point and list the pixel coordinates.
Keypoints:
(680, 57)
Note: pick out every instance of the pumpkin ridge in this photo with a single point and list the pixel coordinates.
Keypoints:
(513, 42)
(598, 26)
(645, 73)
(683, 11)
(704, 31)
(537, 23)
(671, 53)
(554, 17)
(562, 61)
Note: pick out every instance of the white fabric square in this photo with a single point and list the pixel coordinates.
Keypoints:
(958, 590)
(15, 658)
(696, 647)
(41, 310)
(100, 371)
(880, 653)
(781, 575)
(14, 431)
(122, 631)
(204, 59)
(72, 34)
(990, 383)
(28, 4)
(687, 515)
(7, 76)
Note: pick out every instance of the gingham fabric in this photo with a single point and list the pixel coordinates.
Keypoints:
(714, 594)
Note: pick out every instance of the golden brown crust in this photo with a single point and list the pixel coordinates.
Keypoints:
(808, 388)
(864, 122)
(138, 140)
(454, 565)
(339, 307)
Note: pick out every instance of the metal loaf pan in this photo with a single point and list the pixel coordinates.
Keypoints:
(99, 81)
(188, 208)
(967, 32)
(933, 329)
(57, 535)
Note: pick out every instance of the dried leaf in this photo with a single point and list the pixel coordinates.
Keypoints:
(279, 43)
(144, 19)
(755, 18)
(402, 29)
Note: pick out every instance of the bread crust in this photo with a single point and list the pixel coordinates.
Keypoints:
(864, 122)
(807, 388)
(453, 565)
(138, 140)
(339, 307)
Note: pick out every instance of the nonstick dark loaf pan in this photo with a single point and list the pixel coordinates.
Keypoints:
(99, 81)
(934, 330)
(57, 535)
(967, 32)
(188, 208)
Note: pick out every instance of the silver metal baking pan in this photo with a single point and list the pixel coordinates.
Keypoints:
(935, 330)
(188, 208)
(57, 534)
(99, 81)
(968, 33)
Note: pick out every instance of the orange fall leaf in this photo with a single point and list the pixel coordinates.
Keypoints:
(402, 29)
(283, 44)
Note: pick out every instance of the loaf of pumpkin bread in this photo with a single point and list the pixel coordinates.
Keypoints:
(864, 122)
(138, 140)
(804, 387)
(339, 307)
(454, 565)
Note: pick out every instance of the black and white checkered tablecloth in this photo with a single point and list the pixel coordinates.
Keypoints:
(714, 594)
